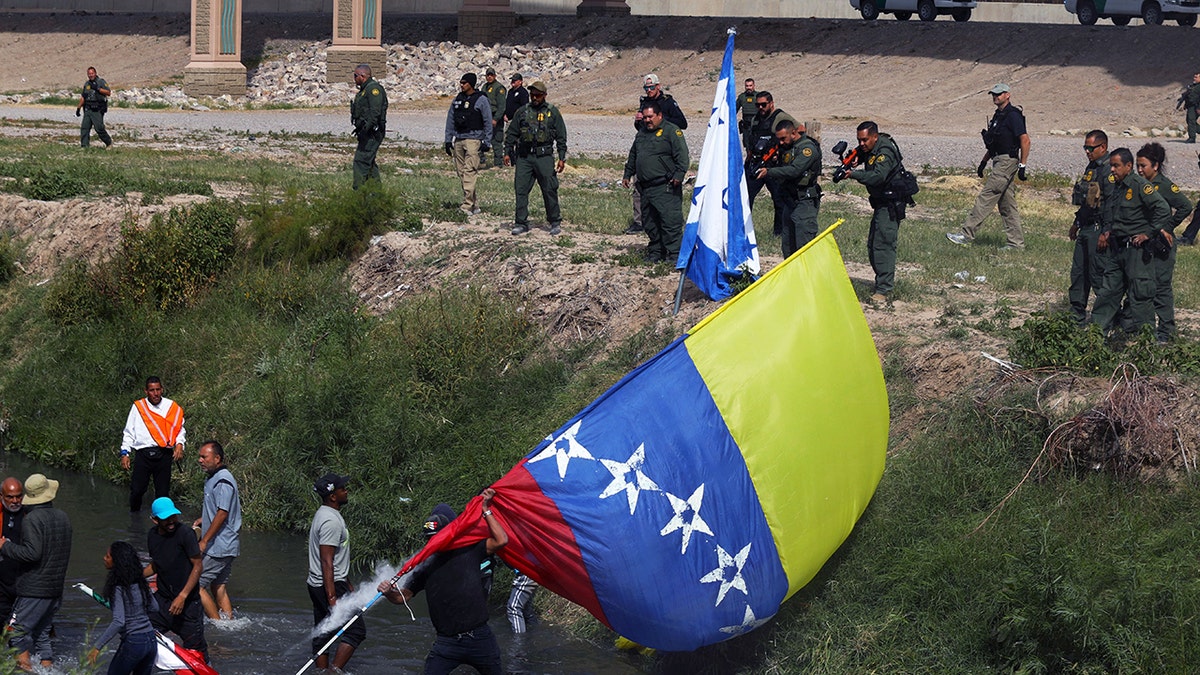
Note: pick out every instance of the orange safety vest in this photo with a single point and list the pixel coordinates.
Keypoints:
(164, 430)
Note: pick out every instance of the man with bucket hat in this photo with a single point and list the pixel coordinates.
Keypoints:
(329, 567)
(457, 607)
(175, 557)
(44, 552)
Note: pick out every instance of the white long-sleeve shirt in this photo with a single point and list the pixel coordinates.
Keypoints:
(136, 434)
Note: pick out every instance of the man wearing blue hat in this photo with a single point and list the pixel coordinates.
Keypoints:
(175, 556)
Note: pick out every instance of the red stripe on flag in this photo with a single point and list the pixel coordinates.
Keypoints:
(540, 543)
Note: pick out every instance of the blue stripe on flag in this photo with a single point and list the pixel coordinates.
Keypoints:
(660, 501)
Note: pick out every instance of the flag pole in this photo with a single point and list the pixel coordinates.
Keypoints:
(356, 617)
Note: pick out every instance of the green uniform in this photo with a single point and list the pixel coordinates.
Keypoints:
(368, 114)
(658, 157)
(749, 110)
(1191, 102)
(95, 105)
(534, 135)
(497, 96)
(1135, 208)
(874, 173)
(1164, 268)
(800, 193)
(1087, 263)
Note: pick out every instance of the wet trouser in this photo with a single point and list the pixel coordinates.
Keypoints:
(476, 648)
(466, 165)
(881, 249)
(1000, 192)
(662, 216)
(354, 635)
(93, 118)
(1126, 275)
(520, 602)
(1087, 269)
(31, 621)
(188, 624)
(365, 167)
(135, 655)
(800, 227)
(531, 169)
(145, 467)
(1164, 296)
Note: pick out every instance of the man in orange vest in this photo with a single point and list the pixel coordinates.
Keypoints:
(154, 431)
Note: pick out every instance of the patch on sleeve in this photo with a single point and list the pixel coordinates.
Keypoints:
(1149, 189)
(1111, 178)
(807, 152)
(374, 92)
(1174, 188)
(678, 132)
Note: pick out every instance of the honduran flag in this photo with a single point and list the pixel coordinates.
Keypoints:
(718, 240)
(687, 502)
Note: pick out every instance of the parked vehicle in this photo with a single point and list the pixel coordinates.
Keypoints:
(926, 10)
(1152, 12)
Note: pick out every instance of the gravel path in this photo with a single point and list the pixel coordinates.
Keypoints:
(593, 134)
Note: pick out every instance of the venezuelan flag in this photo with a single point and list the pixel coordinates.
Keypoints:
(687, 502)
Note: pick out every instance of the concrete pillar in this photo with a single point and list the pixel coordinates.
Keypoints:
(216, 66)
(602, 8)
(485, 21)
(356, 39)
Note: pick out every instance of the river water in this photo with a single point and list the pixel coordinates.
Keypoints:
(274, 615)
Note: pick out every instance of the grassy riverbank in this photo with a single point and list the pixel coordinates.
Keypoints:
(242, 304)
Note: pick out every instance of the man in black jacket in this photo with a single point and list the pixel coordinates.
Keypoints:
(43, 554)
(13, 494)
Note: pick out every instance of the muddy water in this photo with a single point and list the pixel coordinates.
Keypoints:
(274, 615)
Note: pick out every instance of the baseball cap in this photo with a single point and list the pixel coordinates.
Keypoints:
(163, 508)
(39, 490)
(515, 77)
(325, 485)
(490, 71)
(440, 517)
(469, 78)
(538, 86)
(651, 79)
(998, 88)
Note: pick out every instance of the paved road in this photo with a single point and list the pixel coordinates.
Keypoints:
(599, 134)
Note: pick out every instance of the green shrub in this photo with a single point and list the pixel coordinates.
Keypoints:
(53, 184)
(335, 226)
(79, 294)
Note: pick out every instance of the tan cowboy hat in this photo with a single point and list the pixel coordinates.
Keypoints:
(39, 490)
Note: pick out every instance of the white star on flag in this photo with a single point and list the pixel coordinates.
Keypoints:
(681, 507)
(621, 479)
(724, 562)
(563, 449)
(749, 623)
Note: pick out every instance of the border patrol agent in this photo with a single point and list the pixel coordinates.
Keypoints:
(880, 158)
(1092, 192)
(94, 102)
(659, 159)
(1007, 146)
(797, 185)
(537, 131)
(497, 97)
(1136, 212)
(368, 114)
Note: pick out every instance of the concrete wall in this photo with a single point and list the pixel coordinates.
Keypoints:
(1037, 12)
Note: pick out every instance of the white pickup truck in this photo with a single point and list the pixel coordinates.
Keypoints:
(926, 10)
(1152, 12)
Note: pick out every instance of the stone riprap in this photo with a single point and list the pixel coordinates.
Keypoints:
(415, 72)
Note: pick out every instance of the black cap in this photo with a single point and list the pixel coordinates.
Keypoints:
(469, 78)
(440, 517)
(490, 71)
(515, 77)
(325, 485)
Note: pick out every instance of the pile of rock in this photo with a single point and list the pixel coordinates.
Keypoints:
(415, 72)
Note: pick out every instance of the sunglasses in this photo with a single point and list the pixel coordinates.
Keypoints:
(762, 105)
(1089, 148)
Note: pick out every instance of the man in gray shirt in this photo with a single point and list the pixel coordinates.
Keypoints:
(220, 522)
(328, 566)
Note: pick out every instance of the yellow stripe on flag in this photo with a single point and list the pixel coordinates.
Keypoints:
(792, 367)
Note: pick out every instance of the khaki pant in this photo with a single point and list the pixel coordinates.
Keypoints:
(466, 165)
(999, 191)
